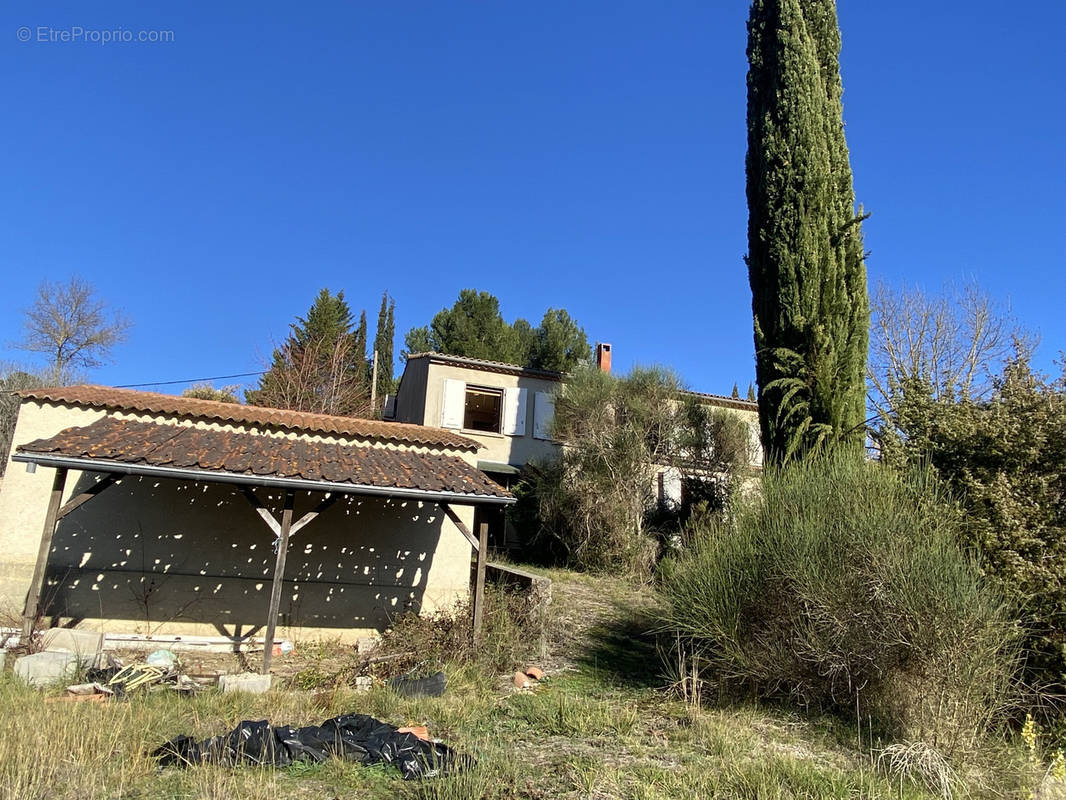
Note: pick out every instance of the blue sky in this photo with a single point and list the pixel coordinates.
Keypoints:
(582, 155)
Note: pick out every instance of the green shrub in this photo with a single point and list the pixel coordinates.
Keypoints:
(596, 505)
(1004, 457)
(841, 586)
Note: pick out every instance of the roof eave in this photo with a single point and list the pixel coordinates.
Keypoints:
(220, 476)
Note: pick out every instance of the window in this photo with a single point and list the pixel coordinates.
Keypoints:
(482, 409)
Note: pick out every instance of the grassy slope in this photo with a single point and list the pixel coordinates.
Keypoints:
(601, 727)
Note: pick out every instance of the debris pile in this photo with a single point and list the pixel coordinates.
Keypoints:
(528, 678)
(357, 738)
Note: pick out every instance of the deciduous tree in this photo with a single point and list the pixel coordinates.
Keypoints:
(71, 326)
(953, 343)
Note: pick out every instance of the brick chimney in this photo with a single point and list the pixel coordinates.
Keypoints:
(603, 356)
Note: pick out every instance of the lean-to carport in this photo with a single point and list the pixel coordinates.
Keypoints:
(114, 447)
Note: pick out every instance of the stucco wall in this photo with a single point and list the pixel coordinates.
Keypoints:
(167, 556)
(516, 450)
(24, 498)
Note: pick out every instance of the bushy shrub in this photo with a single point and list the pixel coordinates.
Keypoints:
(841, 586)
(597, 504)
(1004, 457)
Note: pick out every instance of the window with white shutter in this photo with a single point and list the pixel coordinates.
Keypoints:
(543, 415)
(452, 406)
(514, 412)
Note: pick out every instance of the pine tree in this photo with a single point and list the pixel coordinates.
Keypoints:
(386, 332)
(321, 366)
(805, 257)
(751, 393)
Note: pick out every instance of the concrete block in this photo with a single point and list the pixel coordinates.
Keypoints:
(87, 644)
(245, 682)
(45, 669)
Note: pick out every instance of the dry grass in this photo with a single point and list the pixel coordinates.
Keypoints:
(599, 728)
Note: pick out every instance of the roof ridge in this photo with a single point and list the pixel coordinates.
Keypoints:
(95, 395)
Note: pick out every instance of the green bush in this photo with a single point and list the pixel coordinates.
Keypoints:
(1004, 457)
(840, 586)
(596, 505)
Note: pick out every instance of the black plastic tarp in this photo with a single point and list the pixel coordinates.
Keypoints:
(352, 737)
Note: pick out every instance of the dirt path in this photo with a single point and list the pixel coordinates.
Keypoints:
(603, 623)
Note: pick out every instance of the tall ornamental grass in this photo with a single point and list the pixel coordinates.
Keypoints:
(840, 586)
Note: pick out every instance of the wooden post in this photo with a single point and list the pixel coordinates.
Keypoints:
(51, 519)
(279, 579)
(479, 580)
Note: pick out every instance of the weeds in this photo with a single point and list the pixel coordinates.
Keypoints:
(425, 643)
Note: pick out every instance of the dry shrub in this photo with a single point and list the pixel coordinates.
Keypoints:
(841, 587)
(424, 643)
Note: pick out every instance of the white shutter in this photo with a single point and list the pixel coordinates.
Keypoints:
(543, 414)
(514, 411)
(453, 406)
(670, 488)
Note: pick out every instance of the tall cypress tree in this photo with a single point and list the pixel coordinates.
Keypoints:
(386, 332)
(805, 256)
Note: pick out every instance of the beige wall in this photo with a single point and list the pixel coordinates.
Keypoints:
(516, 450)
(164, 556)
(24, 498)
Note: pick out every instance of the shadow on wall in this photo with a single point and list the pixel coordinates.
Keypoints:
(159, 551)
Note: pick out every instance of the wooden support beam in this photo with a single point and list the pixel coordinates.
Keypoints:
(262, 510)
(447, 509)
(479, 580)
(314, 512)
(51, 519)
(86, 496)
(279, 579)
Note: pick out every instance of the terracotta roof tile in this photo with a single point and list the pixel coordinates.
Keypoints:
(130, 400)
(163, 445)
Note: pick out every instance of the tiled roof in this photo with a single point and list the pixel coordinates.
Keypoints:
(265, 456)
(513, 369)
(489, 366)
(722, 400)
(235, 413)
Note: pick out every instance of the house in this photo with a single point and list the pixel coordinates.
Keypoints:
(137, 511)
(509, 410)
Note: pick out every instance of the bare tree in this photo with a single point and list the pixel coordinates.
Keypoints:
(316, 378)
(74, 328)
(952, 342)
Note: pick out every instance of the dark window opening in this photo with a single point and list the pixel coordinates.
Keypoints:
(482, 412)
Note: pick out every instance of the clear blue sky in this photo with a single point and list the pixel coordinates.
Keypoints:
(587, 155)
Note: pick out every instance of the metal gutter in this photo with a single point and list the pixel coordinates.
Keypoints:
(219, 476)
